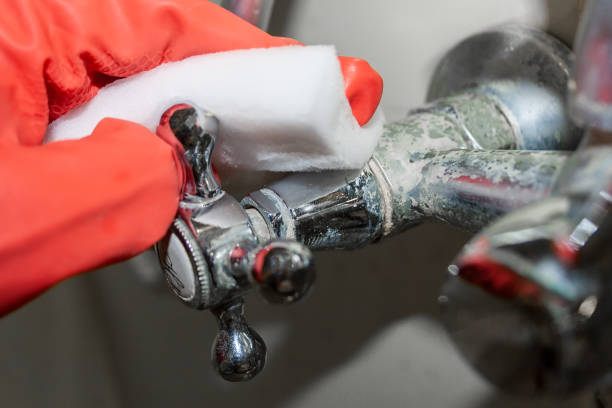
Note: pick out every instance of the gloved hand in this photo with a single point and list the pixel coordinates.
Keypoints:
(73, 206)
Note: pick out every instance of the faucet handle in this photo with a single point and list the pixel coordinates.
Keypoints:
(196, 129)
(284, 271)
(238, 352)
(212, 254)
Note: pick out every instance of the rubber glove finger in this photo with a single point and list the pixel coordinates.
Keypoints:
(363, 87)
(79, 205)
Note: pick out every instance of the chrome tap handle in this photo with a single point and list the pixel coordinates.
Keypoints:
(197, 131)
(211, 254)
(283, 271)
(238, 352)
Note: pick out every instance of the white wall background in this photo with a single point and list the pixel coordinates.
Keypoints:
(368, 336)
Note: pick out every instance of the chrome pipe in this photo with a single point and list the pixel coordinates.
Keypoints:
(454, 160)
(256, 12)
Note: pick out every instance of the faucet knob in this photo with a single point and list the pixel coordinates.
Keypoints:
(284, 271)
(211, 254)
(184, 266)
(196, 130)
(238, 352)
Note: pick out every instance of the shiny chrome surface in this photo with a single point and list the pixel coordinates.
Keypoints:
(220, 227)
(330, 210)
(184, 265)
(238, 352)
(197, 131)
(284, 270)
(211, 256)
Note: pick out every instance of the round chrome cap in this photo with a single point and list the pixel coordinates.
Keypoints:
(184, 265)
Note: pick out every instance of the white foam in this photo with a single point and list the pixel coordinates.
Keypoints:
(280, 109)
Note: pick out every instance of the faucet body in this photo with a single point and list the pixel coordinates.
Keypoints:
(210, 256)
(405, 183)
(466, 158)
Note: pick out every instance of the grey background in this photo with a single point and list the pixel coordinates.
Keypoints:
(369, 335)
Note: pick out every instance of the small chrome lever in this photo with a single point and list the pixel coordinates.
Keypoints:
(238, 352)
(196, 130)
(211, 256)
(284, 271)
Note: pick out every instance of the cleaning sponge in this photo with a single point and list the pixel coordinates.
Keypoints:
(280, 109)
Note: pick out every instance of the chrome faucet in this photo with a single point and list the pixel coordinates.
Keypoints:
(466, 158)
(211, 256)
(491, 140)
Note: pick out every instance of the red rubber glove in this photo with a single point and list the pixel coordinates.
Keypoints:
(73, 206)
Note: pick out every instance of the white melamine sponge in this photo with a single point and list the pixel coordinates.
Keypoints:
(280, 109)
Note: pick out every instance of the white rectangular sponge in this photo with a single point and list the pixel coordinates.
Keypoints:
(280, 109)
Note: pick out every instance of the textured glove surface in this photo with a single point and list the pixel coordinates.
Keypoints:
(73, 206)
